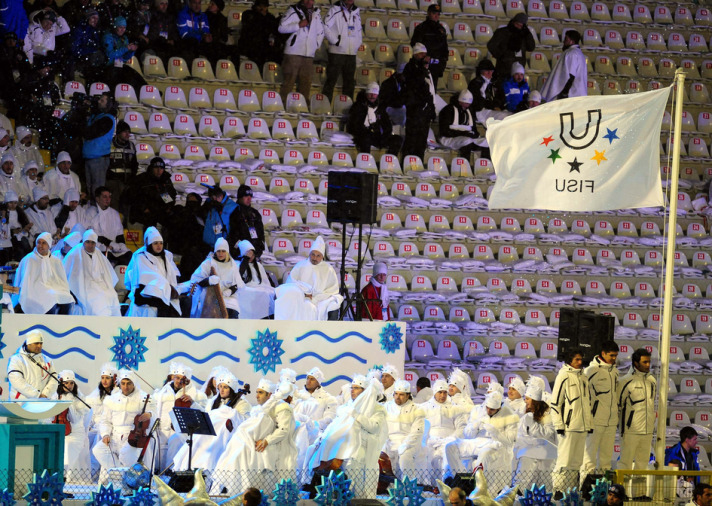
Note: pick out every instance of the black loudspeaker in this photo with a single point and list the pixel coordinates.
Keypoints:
(352, 197)
(466, 481)
(585, 330)
(182, 481)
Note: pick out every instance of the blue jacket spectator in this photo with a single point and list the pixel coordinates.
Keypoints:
(13, 18)
(217, 221)
(116, 43)
(516, 89)
(684, 453)
(192, 24)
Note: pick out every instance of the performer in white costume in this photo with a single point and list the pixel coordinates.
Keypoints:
(389, 376)
(106, 387)
(76, 444)
(407, 432)
(218, 269)
(515, 397)
(257, 298)
(27, 380)
(312, 289)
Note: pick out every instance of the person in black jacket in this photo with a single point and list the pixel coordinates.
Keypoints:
(419, 105)
(487, 98)
(16, 69)
(392, 98)
(370, 124)
(153, 195)
(138, 22)
(220, 32)
(260, 40)
(433, 36)
(457, 126)
(123, 166)
(246, 223)
(510, 44)
(163, 31)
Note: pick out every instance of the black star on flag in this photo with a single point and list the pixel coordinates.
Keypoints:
(575, 165)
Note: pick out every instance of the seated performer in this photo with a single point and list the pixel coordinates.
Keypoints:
(221, 270)
(376, 296)
(91, 279)
(311, 291)
(406, 432)
(515, 397)
(389, 376)
(106, 387)
(27, 380)
(257, 298)
(76, 444)
(152, 279)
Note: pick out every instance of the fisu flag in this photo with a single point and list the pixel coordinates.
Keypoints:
(580, 154)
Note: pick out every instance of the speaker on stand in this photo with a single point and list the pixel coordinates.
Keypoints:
(584, 330)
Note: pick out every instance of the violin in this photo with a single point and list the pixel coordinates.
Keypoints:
(183, 404)
(138, 475)
(137, 437)
(240, 392)
(63, 418)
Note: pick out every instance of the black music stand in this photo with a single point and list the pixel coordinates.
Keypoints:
(189, 421)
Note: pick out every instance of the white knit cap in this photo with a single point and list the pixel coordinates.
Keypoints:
(495, 387)
(63, 156)
(465, 97)
(7, 157)
(535, 96)
(518, 385)
(89, 235)
(493, 400)
(419, 48)
(244, 246)
(266, 385)
(439, 386)
(67, 375)
(180, 368)
(284, 389)
(46, 237)
(402, 386)
(108, 369)
(228, 379)
(34, 336)
(152, 235)
(517, 68)
(373, 372)
(373, 88)
(390, 369)
(221, 245)
(318, 245)
(38, 192)
(287, 374)
(21, 132)
(125, 374)
(72, 239)
(535, 388)
(316, 373)
(11, 196)
(546, 397)
(457, 379)
(359, 381)
(69, 196)
(29, 165)
(380, 268)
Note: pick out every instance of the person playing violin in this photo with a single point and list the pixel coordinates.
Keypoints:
(121, 410)
(76, 443)
(27, 380)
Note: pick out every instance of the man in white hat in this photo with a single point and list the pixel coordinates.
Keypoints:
(257, 298)
(120, 410)
(419, 102)
(28, 181)
(16, 232)
(327, 402)
(76, 445)
(92, 279)
(459, 388)
(41, 215)
(312, 289)
(68, 213)
(534, 99)
(4, 141)
(516, 89)
(28, 380)
(375, 295)
(106, 222)
(8, 181)
(152, 279)
(61, 178)
(42, 281)
(220, 270)
(457, 126)
(24, 151)
(515, 396)
(370, 124)
(389, 376)
(406, 427)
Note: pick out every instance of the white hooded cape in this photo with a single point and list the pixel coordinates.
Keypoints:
(320, 281)
(42, 283)
(92, 280)
(157, 278)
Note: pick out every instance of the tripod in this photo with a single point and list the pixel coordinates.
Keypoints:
(349, 300)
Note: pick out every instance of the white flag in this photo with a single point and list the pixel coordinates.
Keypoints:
(580, 154)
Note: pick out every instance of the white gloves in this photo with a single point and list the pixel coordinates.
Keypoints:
(214, 280)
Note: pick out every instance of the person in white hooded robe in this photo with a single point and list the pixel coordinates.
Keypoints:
(69, 213)
(40, 214)
(407, 432)
(91, 279)
(24, 151)
(515, 396)
(29, 181)
(312, 289)
(61, 178)
(221, 270)
(569, 77)
(152, 279)
(257, 298)
(9, 181)
(27, 380)
(42, 281)
(65, 245)
(76, 444)
(106, 387)
(389, 375)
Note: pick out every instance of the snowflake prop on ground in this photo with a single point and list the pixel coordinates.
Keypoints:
(391, 338)
(286, 493)
(599, 491)
(572, 497)
(405, 489)
(7, 498)
(335, 490)
(141, 497)
(536, 496)
(106, 496)
(129, 348)
(47, 486)
(266, 351)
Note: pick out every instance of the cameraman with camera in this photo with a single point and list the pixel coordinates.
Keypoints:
(433, 36)
(98, 133)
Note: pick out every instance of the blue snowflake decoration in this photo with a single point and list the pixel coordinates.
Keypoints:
(49, 486)
(129, 348)
(141, 497)
(536, 496)
(286, 493)
(572, 497)
(396, 494)
(2, 345)
(335, 490)
(7, 498)
(265, 499)
(599, 491)
(106, 496)
(391, 338)
(266, 351)
(405, 489)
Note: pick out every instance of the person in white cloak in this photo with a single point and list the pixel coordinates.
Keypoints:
(91, 279)
(262, 451)
(76, 444)
(106, 387)
(227, 410)
(218, 269)
(311, 291)
(356, 436)
(515, 397)
(60, 179)
(27, 380)
(389, 376)
(24, 151)
(106, 222)
(257, 298)
(8, 179)
(407, 432)
(40, 214)
(569, 77)
(66, 244)
(69, 213)
(152, 279)
(42, 281)
(28, 181)
(535, 449)
(424, 391)
(180, 387)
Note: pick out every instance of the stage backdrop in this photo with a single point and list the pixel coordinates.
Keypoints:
(250, 349)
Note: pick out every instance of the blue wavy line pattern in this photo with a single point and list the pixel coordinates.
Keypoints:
(200, 360)
(326, 360)
(334, 339)
(63, 334)
(81, 378)
(67, 352)
(197, 338)
(327, 382)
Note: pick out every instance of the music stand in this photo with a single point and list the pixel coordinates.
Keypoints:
(189, 421)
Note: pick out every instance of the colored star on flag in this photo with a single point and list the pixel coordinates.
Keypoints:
(600, 156)
(547, 140)
(575, 166)
(611, 135)
(554, 155)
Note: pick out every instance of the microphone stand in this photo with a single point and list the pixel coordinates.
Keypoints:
(54, 376)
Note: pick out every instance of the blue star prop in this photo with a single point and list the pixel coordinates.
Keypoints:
(47, 490)
(335, 490)
(6, 497)
(106, 496)
(286, 493)
(2, 345)
(265, 499)
(266, 351)
(391, 338)
(611, 135)
(405, 489)
(599, 491)
(396, 494)
(141, 497)
(536, 496)
(571, 498)
(129, 348)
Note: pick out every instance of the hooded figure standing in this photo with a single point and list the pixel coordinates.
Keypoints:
(510, 44)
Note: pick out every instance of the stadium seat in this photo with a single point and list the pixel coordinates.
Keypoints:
(225, 71)
(654, 40)
(703, 17)
(257, 129)
(592, 39)
(169, 152)
(632, 320)
(144, 152)
(460, 167)
(549, 36)
(209, 126)
(532, 253)
(218, 154)
(247, 101)
(621, 12)
(282, 130)
(570, 287)
(341, 159)
(174, 97)
(493, 8)
(201, 69)
(157, 124)
(496, 285)
(579, 10)
(249, 72)
(458, 251)
(177, 68)
(483, 33)
(462, 223)
(123, 94)
(224, 99)
(243, 154)
(415, 222)
(272, 72)
(293, 157)
(625, 67)
(620, 289)
(546, 286)
(462, 32)
(149, 95)
(204, 179)
(184, 124)
(153, 67)
(195, 153)
(676, 42)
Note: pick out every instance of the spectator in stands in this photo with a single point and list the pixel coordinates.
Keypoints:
(24, 150)
(344, 33)
(222, 270)
(220, 32)
(75, 12)
(423, 391)
(684, 453)
(109, 10)
(16, 69)
(123, 165)
(457, 126)
(40, 95)
(219, 207)
(4, 141)
(28, 181)
(98, 132)
(252, 497)
(13, 19)
(137, 25)
(162, 31)
(18, 226)
(8, 181)
(375, 295)
(534, 99)
(433, 36)
(303, 22)
(419, 102)
(257, 298)
(392, 98)
(370, 124)
(194, 31)
(153, 195)
(616, 495)
(41, 39)
(246, 223)
(87, 48)
(636, 404)
(41, 216)
(516, 89)
(69, 213)
(701, 495)
(106, 222)
(61, 178)
(119, 50)
(488, 99)
(260, 40)
(510, 44)
(569, 77)
(186, 235)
